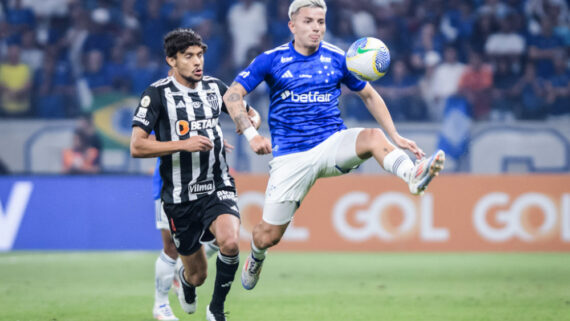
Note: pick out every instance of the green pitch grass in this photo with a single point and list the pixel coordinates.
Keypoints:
(104, 286)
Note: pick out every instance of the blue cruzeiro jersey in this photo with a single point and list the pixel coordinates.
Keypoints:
(304, 92)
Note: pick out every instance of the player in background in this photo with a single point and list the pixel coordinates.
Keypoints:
(198, 194)
(309, 139)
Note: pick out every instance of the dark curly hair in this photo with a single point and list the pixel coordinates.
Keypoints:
(180, 39)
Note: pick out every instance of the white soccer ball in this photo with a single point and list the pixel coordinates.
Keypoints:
(368, 58)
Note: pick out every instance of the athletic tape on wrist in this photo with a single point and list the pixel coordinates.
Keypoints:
(250, 132)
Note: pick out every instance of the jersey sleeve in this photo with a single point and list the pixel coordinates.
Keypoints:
(350, 80)
(148, 110)
(255, 73)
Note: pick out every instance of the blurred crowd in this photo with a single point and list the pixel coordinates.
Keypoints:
(498, 59)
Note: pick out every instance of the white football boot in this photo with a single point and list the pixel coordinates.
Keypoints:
(163, 312)
(210, 316)
(250, 272)
(424, 171)
(186, 295)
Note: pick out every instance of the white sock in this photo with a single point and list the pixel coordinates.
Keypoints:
(398, 163)
(163, 275)
(210, 248)
(257, 253)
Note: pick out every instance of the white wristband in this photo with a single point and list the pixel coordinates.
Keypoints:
(250, 132)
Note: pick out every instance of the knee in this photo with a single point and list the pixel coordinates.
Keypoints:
(267, 238)
(373, 136)
(372, 140)
(229, 246)
(170, 250)
(197, 278)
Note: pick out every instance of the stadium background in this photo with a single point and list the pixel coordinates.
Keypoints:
(487, 81)
(501, 113)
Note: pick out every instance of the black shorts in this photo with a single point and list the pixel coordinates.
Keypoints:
(190, 221)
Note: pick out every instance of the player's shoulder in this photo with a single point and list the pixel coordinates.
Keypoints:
(329, 47)
(210, 81)
(161, 83)
(277, 50)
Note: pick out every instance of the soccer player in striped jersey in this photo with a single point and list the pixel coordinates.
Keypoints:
(198, 194)
(165, 264)
(308, 138)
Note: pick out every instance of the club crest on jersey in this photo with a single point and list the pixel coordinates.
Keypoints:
(213, 101)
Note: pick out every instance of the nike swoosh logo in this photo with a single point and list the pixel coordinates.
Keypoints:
(361, 51)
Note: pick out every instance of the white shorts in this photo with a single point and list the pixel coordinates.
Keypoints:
(159, 216)
(292, 175)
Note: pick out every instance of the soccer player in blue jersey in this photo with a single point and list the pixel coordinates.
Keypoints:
(308, 138)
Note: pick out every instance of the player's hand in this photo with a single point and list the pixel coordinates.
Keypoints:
(197, 144)
(260, 145)
(229, 147)
(410, 145)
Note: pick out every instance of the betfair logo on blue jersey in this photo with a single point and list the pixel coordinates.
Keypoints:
(310, 97)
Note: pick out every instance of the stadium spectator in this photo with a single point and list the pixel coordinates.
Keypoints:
(86, 126)
(80, 158)
(503, 96)
(506, 41)
(445, 82)
(118, 69)
(247, 25)
(278, 32)
(144, 72)
(427, 40)
(475, 85)
(427, 81)
(485, 26)
(544, 47)
(531, 90)
(31, 54)
(97, 74)
(54, 96)
(558, 88)
(15, 85)
(400, 91)
(19, 17)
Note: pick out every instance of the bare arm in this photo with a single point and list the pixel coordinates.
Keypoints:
(144, 145)
(378, 109)
(233, 99)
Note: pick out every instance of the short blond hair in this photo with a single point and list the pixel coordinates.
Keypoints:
(298, 4)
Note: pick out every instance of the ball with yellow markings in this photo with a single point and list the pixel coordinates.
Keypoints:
(368, 58)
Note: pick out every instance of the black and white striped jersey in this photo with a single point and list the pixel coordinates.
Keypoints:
(176, 112)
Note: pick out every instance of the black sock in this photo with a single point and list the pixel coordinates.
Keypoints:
(226, 267)
(189, 289)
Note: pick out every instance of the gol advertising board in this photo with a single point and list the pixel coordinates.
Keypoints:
(457, 213)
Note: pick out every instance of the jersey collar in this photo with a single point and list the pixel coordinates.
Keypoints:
(183, 88)
(296, 53)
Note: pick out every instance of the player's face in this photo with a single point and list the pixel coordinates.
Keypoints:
(189, 64)
(308, 26)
